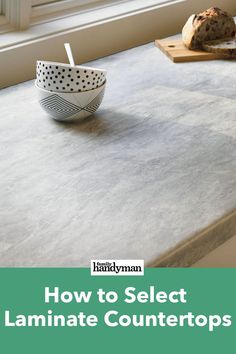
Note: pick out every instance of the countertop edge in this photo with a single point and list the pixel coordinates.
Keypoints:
(200, 244)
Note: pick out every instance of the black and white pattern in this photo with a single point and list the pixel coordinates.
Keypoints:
(63, 78)
(61, 109)
(95, 103)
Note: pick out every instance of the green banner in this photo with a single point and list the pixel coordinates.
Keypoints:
(166, 310)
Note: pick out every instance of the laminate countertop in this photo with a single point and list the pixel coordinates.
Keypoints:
(151, 176)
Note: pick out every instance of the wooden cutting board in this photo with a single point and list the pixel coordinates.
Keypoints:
(178, 53)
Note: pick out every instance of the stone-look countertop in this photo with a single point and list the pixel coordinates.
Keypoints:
(152, 176)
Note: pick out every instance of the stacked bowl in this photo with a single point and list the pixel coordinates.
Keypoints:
(69, 93)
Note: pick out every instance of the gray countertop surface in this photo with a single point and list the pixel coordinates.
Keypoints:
(151, 176)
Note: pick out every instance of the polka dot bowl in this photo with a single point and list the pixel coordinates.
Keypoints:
(60, 77)
(70, 107)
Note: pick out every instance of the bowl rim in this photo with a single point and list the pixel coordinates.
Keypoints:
(66, 65)
(69, 93)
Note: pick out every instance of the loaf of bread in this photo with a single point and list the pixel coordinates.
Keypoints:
(209, 25)
(223, 47)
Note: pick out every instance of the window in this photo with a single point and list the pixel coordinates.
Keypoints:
(20, 13)
(2, 5)
(2, 13)
(44, 7)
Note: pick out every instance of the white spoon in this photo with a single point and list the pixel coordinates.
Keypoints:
(69, 54)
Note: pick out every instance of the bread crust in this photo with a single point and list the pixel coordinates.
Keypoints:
(211, 24)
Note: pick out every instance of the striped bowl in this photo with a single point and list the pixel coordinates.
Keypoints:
(69, 107)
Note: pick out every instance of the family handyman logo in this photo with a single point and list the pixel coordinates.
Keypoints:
(117, 267)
